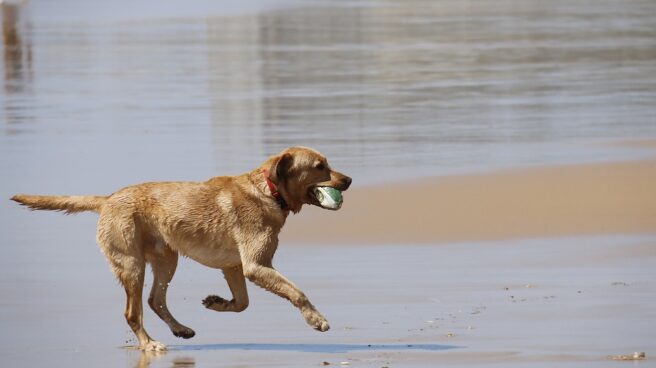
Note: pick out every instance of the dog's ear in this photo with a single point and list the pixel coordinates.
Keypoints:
(283, 166)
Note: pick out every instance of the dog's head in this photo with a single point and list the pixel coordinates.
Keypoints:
(297, 171)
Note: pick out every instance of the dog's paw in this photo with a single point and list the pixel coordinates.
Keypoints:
(317, 321)
(153, 345)
(184, 332)
(322, 326)
(215, 302)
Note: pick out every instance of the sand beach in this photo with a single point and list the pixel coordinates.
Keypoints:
(528, 267)
(503, 209)
(571, 200)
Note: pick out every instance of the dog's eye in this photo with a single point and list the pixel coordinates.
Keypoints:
(320, 166)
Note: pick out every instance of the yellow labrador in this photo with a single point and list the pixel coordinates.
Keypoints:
(230, 222)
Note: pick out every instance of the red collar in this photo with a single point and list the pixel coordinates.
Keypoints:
(274, 191)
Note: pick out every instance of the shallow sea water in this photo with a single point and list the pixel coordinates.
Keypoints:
(97, 96)
(125, 92)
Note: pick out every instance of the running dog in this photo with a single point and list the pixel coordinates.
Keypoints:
(229, 223)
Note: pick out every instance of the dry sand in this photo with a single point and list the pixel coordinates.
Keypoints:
(611, 198)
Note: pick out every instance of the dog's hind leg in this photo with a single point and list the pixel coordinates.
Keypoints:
(164, 262)
(134, 308)
(237, 283)
(117, 239)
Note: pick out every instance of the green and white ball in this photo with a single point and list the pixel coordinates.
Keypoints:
(330, 198)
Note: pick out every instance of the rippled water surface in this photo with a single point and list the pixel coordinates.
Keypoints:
(110, 94)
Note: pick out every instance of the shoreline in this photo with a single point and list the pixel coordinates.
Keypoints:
(538, 202)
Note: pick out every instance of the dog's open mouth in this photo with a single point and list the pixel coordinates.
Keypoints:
(327, 197)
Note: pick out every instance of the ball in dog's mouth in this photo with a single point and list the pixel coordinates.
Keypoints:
(328, 197)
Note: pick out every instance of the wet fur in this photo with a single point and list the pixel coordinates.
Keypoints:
(229, 223)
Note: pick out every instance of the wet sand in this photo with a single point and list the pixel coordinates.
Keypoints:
(611, 198)
(553, 295)
(536, 303)
(515, 303)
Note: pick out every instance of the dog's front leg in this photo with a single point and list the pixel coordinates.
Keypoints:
(268, 278)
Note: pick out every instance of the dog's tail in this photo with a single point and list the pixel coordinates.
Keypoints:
(68, 204)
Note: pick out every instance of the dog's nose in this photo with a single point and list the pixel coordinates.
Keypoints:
(347, 180)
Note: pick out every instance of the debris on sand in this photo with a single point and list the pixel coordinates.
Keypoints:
(619, 283)
(635, 356)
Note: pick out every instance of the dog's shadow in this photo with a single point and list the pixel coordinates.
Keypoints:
(314, 348)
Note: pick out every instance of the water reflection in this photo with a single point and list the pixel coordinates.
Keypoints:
(146, 358)
(13, 48)
(235, 85)
(379, 86)
(17, 57)
(432, 83)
